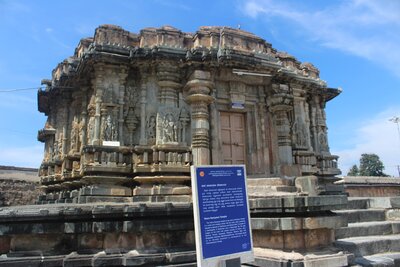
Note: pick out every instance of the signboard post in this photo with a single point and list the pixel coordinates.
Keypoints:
(221, 215)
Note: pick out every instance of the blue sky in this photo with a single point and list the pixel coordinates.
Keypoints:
(354, 43)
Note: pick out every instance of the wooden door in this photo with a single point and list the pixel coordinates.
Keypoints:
(232, 135)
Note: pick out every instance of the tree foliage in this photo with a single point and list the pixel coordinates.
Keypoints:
(353, 171)
(370, 165)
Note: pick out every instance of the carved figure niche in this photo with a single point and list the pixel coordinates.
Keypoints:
(131, 119)
(172, 124)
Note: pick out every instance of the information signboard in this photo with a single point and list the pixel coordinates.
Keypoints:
(222, 221)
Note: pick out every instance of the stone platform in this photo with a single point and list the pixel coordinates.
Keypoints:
(97, 235)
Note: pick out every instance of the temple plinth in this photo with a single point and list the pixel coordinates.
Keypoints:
(129, 113)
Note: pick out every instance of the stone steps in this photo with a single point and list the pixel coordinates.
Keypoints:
(368, 215)
(369, 245)
(372, 202)
(373, 231)
(368, 228)
(378, 260)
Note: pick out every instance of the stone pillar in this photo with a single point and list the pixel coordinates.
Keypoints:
(168, 80)
(143, 102)
(98, 90)
(65, 123)
(280, 104)
(168, 110)
(84, 118)
(199, 87)
(122, 82)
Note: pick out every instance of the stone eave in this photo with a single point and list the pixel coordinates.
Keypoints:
(332, 93)
(43, 101)
(43, 134)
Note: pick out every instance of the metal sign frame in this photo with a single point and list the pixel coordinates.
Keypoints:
(221, 215)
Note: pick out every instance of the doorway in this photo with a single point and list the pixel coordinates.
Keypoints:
(233, 138)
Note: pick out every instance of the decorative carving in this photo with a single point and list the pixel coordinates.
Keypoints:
(91, 123)
(323, 141)
(151, 129)
(169, 129)
(74, 136)
(300, 134)
(110, 129)
(167, 125)
(184, 119)
(131, 119)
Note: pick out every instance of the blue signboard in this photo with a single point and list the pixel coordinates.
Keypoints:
(221, 211)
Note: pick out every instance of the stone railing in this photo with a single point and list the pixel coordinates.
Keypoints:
(327, 164)
(307, 161)
(106, 158)
(161, 159)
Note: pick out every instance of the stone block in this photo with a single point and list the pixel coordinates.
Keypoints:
(5, 244)
(307, 185)
(90, 241)
(322, 257)
(110, 226)
(291, 170)
(369, 245)
(97, 190)
(356, 203)
(181, 257)
(270, 182)
(94, 199)
(318, 237)
(77, 260)
(395, 202)
(201, 75)
(354, 216)
(110, 260)
(133, 258)
(122, 241)
(393, 215)
(44, 242)
(167, 224)
(292, 239)
(367, 229)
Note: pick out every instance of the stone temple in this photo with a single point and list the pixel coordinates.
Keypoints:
(129, 113)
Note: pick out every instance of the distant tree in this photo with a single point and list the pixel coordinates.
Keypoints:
(371, 165)
(353, 171)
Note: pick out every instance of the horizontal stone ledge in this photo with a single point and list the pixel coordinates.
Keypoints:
(121, 226)
(92, 210)
(367, 180)
(293, 223)
(106, 258)
(299, 202)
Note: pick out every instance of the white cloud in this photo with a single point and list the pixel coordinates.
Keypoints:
(30, 156)
(11, 100)
(377, 135)
(365, 28)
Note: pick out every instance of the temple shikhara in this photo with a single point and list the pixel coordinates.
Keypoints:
(129, 113)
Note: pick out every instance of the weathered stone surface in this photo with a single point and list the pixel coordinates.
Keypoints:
(353, 216)
(321, 258)
(294, 239)
(298, 203)
(368, 245)
(367, 186)
(18, 186)
(292, 223)
(112, 130)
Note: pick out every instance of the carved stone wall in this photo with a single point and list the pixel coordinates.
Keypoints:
(129, 113)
